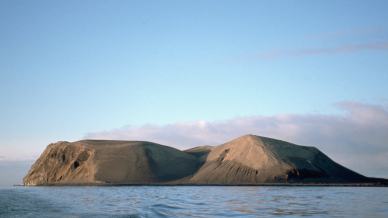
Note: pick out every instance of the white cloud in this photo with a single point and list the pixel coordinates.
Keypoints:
(357, 138)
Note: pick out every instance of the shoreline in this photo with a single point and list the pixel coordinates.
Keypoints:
(239, 185)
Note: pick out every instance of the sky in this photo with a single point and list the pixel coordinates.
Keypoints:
(196, 72)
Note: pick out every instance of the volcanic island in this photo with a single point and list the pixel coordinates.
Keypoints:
(247, 160)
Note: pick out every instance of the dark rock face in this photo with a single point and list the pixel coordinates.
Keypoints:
(62, 162)
(246, 160)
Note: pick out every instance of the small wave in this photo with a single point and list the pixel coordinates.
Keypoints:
(191, 202)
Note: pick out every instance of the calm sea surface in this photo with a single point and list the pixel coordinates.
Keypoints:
(199, 201)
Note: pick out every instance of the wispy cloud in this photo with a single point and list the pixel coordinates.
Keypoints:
(347, 40)
(348, 48)
(362, 32)
(358, 138)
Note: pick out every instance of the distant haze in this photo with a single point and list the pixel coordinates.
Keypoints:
(12, 172)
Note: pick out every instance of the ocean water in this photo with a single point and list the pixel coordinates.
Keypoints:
(193, 201)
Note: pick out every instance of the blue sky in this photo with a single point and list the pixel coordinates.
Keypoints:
(70, 68)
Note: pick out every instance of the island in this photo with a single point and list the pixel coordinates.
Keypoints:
(247, 160)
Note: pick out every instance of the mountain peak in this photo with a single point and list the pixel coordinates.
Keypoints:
(248, 137)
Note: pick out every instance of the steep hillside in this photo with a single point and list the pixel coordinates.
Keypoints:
(252, 159)
(112, 162)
